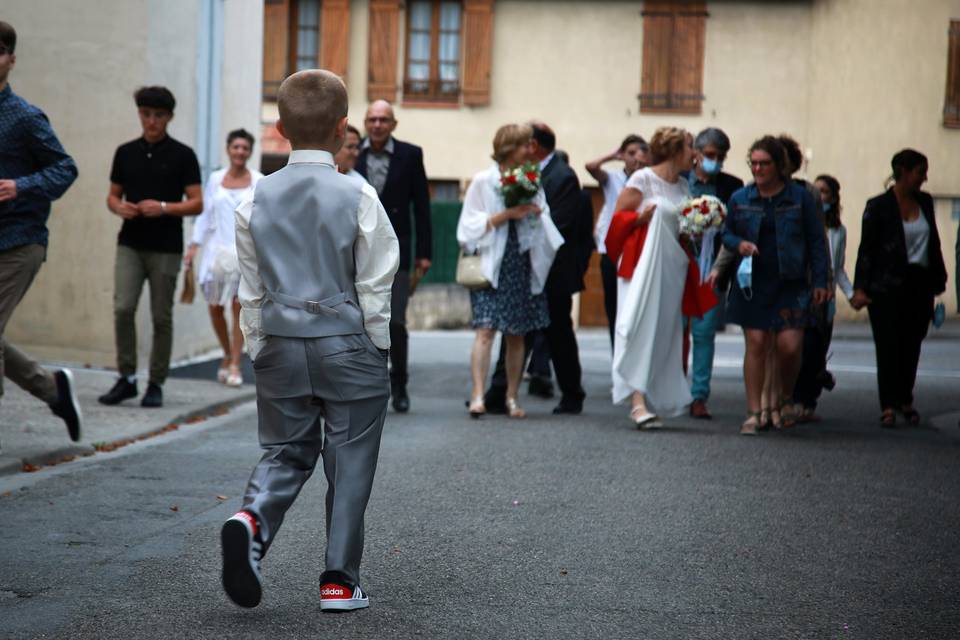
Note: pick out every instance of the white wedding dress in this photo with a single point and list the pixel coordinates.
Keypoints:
(648, 346)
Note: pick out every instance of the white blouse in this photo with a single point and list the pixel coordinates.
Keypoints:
(917, 236)
(215, 227)
(483, 200)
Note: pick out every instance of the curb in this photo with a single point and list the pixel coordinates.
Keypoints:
(68, 453)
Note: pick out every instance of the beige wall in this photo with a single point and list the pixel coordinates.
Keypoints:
(81, 67)
(821, 70)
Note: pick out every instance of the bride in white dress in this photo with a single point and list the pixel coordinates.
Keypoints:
(648, 344)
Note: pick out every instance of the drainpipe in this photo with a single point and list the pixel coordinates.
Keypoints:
(209, 82)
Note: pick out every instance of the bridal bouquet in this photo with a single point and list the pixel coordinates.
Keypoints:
(519, 184)
(699, 215)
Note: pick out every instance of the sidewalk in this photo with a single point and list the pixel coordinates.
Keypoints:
(31, 436)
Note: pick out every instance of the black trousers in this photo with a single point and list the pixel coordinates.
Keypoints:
(564, 352)
(900, 320)
(608, 273)
(399, 338)
(816, 344)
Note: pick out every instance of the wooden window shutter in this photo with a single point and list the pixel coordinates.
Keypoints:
(276, 40)
(335, 36)
(951, 104)
(673, 55)
(384, 40)
(477, 51)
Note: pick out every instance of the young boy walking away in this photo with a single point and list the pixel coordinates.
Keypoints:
(317, 257)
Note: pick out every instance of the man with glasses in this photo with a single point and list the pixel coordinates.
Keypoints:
(395, 170)
(34, 170)
(707, 179)
(154, 183)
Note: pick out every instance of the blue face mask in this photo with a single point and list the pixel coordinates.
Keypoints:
(827, 206)
(710, 166)
(745, 277)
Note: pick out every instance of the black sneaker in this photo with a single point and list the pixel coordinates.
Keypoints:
(242, 551)
(66, 406)
(121, 391)
(153, 396)
(337, 593)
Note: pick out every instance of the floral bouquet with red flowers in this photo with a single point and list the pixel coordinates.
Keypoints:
(699, 215)
(520, 184)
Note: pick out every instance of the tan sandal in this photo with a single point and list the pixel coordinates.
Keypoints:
(477, 408)
(514, 410)
(788, 413)
(749, 426)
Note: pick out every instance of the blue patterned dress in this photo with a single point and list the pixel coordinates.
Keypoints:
(510, 308)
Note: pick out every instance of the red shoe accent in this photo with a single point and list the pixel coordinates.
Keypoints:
(332, 591)
(249, 519)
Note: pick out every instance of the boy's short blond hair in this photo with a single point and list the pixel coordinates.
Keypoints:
(311, 102)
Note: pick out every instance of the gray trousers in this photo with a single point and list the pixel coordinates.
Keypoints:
(18, 266)
(133, 267)
(319, 397)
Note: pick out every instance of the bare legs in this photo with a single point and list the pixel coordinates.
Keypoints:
(230, 341)
(480, 367)
(771, 365)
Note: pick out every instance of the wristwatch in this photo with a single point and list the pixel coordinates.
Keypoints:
(163, 206)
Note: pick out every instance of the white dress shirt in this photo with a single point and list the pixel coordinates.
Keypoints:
(376, 255)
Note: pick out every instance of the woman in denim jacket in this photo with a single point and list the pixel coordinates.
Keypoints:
(774, 223)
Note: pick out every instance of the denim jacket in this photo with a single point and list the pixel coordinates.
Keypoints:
(800, 236)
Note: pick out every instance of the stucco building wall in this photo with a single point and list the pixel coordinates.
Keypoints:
(81, 66)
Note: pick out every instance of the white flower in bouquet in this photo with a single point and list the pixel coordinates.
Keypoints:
(697, 215)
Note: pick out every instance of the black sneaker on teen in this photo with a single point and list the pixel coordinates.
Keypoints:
(338, 593)
(66, 406)
(242, 551)
(153, 396)
(401, 401)
(121, 391)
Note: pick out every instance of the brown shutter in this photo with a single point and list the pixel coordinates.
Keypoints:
(951, 103)
(686, 73)
(384, 35)
(477, 51)
(673, 53)
(657, 33)
(276, 39)
(335, 36)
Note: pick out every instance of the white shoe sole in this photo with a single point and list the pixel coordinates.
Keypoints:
(344, 605)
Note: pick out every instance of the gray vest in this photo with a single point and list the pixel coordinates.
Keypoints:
(304, 225)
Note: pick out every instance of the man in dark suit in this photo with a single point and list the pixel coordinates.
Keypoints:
(395, 170)
(562, 188)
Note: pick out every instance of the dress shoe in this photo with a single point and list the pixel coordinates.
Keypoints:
(121, 391)
(568, 405)
(699, 410)
(401, 401)
(540, 386)
(153, 397)
(67, 407)
(495, 401)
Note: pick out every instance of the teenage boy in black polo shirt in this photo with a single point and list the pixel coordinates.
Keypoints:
(148, 182)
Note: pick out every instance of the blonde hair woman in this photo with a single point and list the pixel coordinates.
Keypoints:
(651, 276)
(516, 247)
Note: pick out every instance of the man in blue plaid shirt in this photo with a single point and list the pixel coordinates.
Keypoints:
(34, 170)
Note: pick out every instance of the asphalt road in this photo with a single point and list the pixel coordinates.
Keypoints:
(574, 527)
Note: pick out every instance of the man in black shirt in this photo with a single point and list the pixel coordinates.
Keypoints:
(148, 182)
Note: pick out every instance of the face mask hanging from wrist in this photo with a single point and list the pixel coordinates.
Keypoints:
(745, 277)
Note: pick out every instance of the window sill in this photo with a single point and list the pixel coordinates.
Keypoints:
(429, 104)
(673, 110)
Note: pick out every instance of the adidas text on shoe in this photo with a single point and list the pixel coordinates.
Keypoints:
(242, 551)
(337, 597)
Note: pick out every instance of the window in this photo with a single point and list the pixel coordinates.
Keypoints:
(433, 51)
(303, 34)
(951, 103)
(673, 51)
(445, 190)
